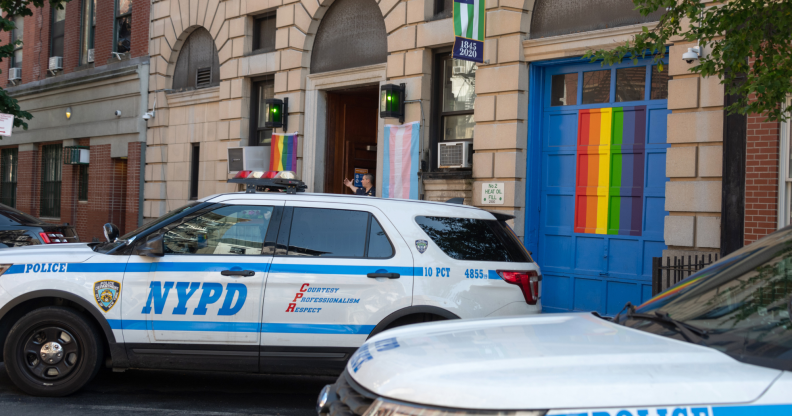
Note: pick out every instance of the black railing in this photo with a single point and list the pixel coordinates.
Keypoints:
(677, 269)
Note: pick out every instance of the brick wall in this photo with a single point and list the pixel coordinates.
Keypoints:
(71, 37)
(140, 29)
(761, 178)
(28, 182)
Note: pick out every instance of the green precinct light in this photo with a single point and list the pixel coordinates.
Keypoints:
(392, 101)
(277, 113)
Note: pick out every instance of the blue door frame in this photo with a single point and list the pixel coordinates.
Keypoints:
(570, 281)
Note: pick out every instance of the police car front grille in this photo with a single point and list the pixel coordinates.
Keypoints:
(351, 402)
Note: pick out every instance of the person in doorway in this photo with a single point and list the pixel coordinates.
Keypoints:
(367, 188)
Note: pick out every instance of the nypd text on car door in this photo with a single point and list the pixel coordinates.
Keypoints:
(208, 286)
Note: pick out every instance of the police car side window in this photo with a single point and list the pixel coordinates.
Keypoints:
(473, 239)
(230, 230)
(379, 247)
(320, 232)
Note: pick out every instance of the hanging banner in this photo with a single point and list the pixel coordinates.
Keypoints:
(400, 173)
(469, 26)
(283, 152)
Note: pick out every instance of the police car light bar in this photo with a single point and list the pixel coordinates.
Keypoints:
(269, 181)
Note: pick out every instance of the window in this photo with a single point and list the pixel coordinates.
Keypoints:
(443, 9)
(630, 84)
(82, 190)
(472, 239)
(198, 65)
(57, 30)
(785, 170)
(596, 87)
(458, 97)
(318, 232)
(563, 89)
(8, 183)
(230, 230)
(123, 26)
(195, 159)
(50, 180)
(88, 30)
(659, 83)
(264, 33)
(16, 35)
(263, 89)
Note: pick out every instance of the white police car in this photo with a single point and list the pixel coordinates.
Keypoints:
(717, 344)
(254, 282)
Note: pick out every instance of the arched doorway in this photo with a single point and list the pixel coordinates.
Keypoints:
(351, 35)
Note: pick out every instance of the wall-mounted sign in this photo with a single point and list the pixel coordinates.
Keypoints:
(492, 193)
(358, 182)
(469, 27)
(6, 124)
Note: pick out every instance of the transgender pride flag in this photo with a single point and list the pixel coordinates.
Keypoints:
(400, 174)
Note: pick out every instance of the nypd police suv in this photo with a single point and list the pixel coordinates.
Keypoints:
(276, 282)
(717, 344)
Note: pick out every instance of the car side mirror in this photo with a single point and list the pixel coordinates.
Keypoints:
(111, 232)
(153, 247)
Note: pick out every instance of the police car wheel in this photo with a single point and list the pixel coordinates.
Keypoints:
(52, 351)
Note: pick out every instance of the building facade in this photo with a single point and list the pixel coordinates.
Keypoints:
(82, 72)
(604, 168)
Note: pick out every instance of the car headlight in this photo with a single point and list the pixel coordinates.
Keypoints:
(382, 407)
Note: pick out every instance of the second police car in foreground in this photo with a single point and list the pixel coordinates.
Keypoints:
(254, 282)
(717, 344)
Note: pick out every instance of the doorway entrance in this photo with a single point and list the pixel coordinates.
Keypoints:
(352, 119)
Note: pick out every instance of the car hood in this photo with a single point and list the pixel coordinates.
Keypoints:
(47, 253)
(559, 361)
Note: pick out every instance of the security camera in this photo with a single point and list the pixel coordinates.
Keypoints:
(118, 113)
(148, 116)
(691, 55)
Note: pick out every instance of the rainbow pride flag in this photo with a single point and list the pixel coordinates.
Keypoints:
(610, 170)
(283, 153)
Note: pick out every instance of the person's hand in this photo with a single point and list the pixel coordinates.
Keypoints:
(347, 182)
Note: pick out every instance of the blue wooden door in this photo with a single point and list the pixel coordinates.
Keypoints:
(602, 183)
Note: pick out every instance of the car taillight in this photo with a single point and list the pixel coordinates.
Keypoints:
(528, 281)
(52, 238)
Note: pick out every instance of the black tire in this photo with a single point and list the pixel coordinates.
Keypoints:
(81, 351)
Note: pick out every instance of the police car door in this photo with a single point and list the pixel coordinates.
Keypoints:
(208, 286)
(339, 269)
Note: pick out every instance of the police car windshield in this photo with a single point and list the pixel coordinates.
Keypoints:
(743, 302)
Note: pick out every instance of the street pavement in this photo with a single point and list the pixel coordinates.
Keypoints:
(164, 393)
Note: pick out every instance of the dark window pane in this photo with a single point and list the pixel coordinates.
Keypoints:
(83, 178)
(264, 90)
(8, 181)
(228, 230)
(459, 85)
(596, 87)
(124, 34)
(472, 239)
(564, 89)
(379, 247)
(659, 83)
(265, 34)
(56, 32)
(195, 160)
(50, 180)
(630, 84)
(328, 233)
(458, 127)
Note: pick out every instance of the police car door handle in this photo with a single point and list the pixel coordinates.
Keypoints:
(238, 273)
(388, 275)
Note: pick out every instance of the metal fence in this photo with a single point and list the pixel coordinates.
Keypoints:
(677, 269)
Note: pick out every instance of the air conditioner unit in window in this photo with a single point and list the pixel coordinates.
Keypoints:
(55, 63)
(14, 74)
(248, 158)
(458, 70)
(90, 55)
(455, 154)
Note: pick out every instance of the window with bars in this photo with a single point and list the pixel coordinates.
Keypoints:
(82, 190)
(8, 182)
(51, 180)
(123, 26)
